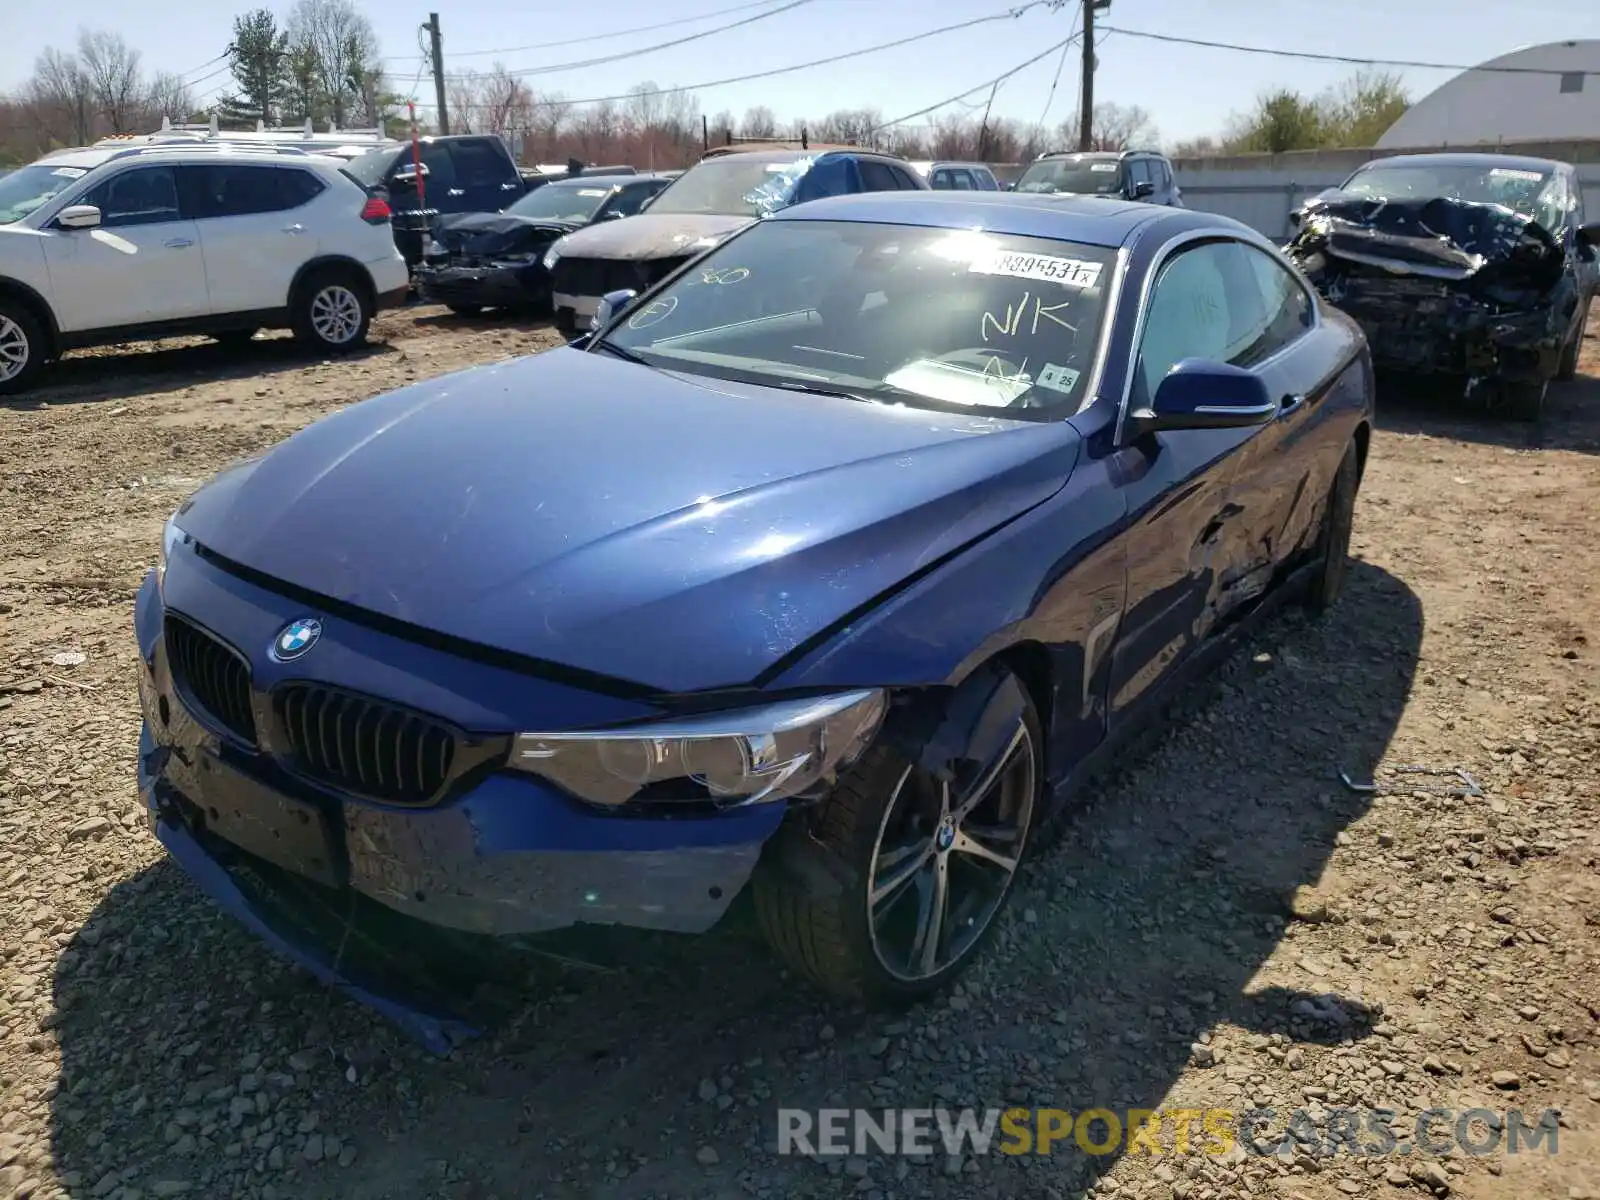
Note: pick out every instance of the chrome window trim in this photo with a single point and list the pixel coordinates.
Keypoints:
(1170, 249)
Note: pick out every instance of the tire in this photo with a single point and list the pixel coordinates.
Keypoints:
(825, 931)
(1333, 542)
(1568, 370)
(234, 337)
(1524, 401)
(332, 311)
(22, 347)
(465, 310)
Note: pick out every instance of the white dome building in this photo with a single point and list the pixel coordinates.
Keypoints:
(1554, 101)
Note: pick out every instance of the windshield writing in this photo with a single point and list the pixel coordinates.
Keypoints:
(934, 318)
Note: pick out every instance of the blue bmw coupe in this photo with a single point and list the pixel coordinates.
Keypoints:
(822, 571)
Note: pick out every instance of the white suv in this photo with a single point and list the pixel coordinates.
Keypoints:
(117, 244)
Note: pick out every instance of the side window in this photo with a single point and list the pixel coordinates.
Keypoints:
(964, 181)
(830, 177)
(142, 196)
(231, 190)
(1550, 209)
(1207, 303)
(907, 184)
(298, 187)
(627, 201)
(876, 176)
(441, 171)
(1286, 310)
(986, 181)
(944, 179)
(1138, 172)
(479, 164)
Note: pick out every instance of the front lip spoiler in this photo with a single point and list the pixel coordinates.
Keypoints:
(440, 1033)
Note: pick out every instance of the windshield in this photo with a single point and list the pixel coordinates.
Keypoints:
(735, 187)
(955, 320)
(1083, 176)
(1515, 189)
(561, 202)
(25, 189)
(369, 169)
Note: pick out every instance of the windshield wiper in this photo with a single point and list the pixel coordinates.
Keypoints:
(625, 355)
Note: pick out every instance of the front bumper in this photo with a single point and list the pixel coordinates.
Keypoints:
(496, 285)
(503, 857)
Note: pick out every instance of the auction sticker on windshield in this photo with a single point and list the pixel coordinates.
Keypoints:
(70, 172)
(1103, 168)
(1068, 271)
(591, 191)
(1511, 173)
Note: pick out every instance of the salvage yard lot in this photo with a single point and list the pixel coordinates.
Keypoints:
(1152, 958)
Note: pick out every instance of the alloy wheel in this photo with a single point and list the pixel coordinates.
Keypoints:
(946, 854)
(336, 314)
(14, 349)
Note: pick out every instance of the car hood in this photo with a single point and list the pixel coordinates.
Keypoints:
(652, 235)
(489, 235)
(669, 530)
(1438, 237)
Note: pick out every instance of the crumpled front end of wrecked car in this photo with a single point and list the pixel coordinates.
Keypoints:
(1441, 285)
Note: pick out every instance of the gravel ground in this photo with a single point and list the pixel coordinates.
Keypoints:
(1223, 924)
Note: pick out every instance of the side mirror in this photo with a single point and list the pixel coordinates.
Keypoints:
(1587, 239)
(1142, 190)
(78, 216)
(1200, 394)
(610, 305)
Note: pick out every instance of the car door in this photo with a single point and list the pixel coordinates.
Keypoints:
(142, 264)
(876, 176)
(486, 178)
(254, 233)
(1186, 528)
(1273, 318)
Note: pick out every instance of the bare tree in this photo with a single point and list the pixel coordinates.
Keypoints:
(342, 43)
(849, 126)
(1113, 127)
(112, 68)
(492, 102)
(60, 98)
(168, 96)
(758, 122)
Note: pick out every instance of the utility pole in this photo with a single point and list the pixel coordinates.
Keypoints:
(437, 40)
(1086, 100)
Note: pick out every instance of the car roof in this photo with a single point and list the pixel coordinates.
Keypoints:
(1518, 162)
(90, 157)
(1087, 219)
(790, 156)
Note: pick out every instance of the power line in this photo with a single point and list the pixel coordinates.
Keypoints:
(1077, 16)
(643, 50)
(1009, 14)
(1349, 59)
(212, 75)
(594, 37)
(196, 70)
(989, 83)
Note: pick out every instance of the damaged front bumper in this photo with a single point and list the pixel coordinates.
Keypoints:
(1442, 285)
(315, 872)
(489, 285)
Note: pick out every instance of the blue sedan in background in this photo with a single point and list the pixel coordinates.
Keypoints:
(824, 569)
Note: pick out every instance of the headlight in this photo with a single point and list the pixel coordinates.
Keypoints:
(551, 255)
(733, 758)
(171, 538)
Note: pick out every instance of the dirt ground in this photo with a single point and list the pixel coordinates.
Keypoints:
(1440, 951)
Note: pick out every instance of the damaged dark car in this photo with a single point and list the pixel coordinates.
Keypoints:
(494, 260)
(1477, 267)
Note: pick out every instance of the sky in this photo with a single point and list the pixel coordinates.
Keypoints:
(1189, 91)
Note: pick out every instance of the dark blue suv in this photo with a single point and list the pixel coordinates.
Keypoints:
(719, 195)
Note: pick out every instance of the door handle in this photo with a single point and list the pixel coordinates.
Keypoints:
(508, 187)
(178, 243)
(294, 228)
(456, 192)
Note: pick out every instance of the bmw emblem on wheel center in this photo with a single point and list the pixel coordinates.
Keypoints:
(296, 638)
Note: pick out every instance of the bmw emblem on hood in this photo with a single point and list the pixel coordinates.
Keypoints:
(296, 638)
